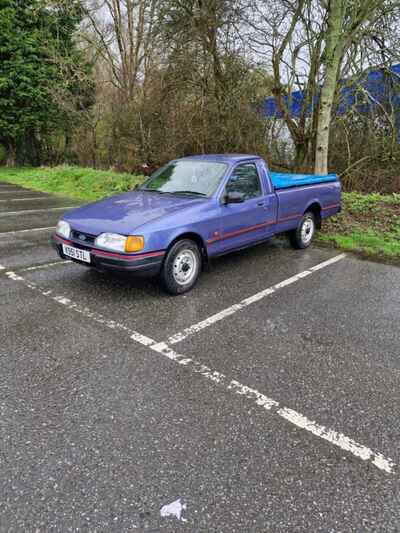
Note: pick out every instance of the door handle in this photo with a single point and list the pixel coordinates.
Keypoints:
(260, 203)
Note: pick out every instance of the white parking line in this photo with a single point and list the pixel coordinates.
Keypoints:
(260, 400)
(297, 419)
(195, 328)
(19, 191)
(36, 198)
(33, 211)
(93, 315)
(46, 265)
(26, 230)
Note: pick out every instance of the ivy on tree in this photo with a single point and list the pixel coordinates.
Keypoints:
(38, 59)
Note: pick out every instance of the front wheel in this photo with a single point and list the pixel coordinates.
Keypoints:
(302, 237)
(181, 267)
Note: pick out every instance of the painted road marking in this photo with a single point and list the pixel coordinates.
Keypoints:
(46, 265)
(195, 328)
(33, 211)
(93, 315)
(297, 419)
(8, 190)
(20, 191)
(260, 400)
(26, 230)
(35, 198)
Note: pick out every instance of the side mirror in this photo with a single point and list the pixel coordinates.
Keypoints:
(234, 198)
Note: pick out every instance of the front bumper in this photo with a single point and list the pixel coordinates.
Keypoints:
(146, 264)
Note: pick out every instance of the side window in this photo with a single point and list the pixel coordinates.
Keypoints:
(245, 180)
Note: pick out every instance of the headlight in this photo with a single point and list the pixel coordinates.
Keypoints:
(63, 229)
(120, 243)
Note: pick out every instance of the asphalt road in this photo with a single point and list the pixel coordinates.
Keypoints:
(231, 409)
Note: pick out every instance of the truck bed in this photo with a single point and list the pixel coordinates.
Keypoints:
(281, 180)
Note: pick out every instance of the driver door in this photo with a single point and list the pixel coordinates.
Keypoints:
(246, 222)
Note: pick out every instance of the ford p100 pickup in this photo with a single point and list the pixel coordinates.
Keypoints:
(194, 209)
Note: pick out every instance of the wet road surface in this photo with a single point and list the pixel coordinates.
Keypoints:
(267, 399)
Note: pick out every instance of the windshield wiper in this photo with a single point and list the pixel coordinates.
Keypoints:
(153, 190)
(195, 193)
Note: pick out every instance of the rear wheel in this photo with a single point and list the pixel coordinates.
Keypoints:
(181, 267)
(302, 237)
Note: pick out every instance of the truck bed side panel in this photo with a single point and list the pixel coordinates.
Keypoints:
(294, 202)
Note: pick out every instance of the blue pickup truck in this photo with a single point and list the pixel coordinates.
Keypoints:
(191, 210)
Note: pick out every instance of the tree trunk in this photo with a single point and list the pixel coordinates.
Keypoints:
(302, 156)
(332, 59)
(94, 146)
(11, 154)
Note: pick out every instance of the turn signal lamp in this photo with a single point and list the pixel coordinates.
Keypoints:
(134, 243)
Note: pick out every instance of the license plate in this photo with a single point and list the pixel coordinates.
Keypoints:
(75, 253)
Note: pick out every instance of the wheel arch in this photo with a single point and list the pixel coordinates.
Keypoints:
(197, 238)
(315, 208)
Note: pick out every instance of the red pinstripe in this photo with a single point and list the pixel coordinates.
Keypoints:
(259, 226)
(125, 257)
(240, 232)
(330, 207)
(290, 217)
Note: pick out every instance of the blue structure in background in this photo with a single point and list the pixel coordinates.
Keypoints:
(379, 87)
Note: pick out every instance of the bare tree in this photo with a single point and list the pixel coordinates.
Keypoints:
(286, 37)
(349, 23)
(183, 76)
(123, 32)
(307, 43)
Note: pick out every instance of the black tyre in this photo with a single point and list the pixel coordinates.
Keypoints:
(302, 237)
(181, 267)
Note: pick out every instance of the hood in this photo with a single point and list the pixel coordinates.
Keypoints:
(126, 212)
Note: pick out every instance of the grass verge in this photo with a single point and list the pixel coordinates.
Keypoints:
(85, 184)
(369, 223)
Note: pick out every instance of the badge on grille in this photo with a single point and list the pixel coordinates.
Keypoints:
(82, 237)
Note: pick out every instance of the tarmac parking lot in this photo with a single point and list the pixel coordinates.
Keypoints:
(265, 400)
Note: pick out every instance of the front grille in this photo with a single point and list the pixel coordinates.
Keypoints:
(83, 238)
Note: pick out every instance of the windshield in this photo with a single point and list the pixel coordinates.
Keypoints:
(199, 178)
